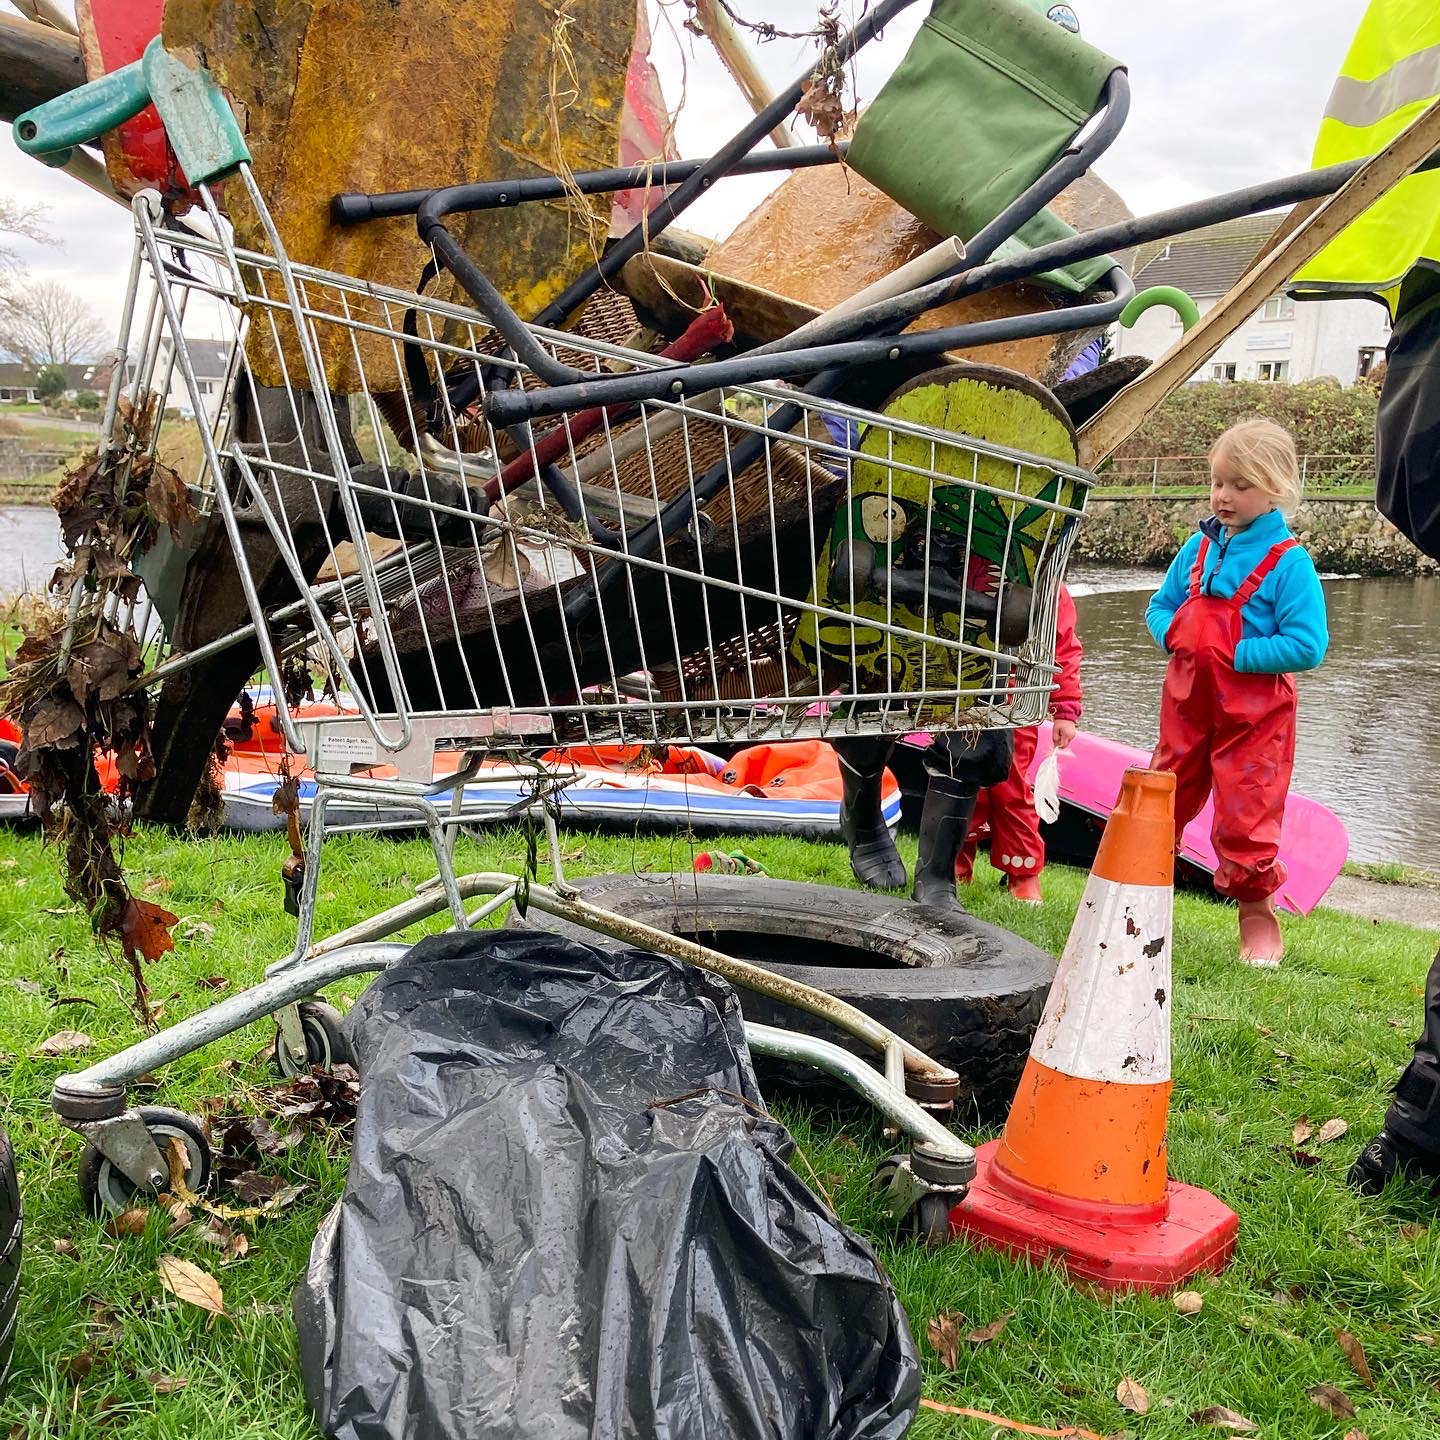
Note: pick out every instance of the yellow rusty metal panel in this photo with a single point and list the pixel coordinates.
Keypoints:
(368, 95)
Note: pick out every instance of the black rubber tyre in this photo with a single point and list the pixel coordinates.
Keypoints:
(325, 1042)
(108, 1191)
(967, 993)
(11, 1232)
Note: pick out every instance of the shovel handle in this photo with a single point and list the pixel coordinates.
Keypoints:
(198, 120)
(50, 131)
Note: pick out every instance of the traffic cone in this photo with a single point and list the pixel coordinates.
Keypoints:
(1080, 1172)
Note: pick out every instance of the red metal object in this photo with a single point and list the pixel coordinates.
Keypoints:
(113, 34)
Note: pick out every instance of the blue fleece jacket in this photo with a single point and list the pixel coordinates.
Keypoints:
(1283, 624)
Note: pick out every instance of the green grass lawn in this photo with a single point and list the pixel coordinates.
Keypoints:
(1254, 1053)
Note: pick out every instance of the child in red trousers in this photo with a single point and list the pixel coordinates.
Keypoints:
(1240, 611)
(1016, 848)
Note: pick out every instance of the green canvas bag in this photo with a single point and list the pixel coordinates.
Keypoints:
(988, 95)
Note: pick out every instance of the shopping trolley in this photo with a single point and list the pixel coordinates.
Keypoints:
(684, 563)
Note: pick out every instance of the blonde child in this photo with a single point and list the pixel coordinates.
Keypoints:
(1241, 610)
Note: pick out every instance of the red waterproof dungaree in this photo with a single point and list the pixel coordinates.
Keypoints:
(1233, 731)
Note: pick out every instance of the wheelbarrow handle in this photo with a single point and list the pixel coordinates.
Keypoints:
(198, 120)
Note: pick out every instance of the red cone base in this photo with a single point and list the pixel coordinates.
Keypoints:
(1117, 1247)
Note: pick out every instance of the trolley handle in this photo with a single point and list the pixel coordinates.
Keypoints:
(198, 120)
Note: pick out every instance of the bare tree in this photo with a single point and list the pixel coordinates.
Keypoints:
(42, 323)
(24, 222)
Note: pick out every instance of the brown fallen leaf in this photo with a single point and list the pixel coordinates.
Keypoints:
(237, 1249)
(1424, 1339)
(1305, 1159)
(214, 982)
(130, 1222)
(1189, 1302)
(66, 1246)
(1133, 1396)
(1331, 1130)
(1332, 1401)
(63, 1042)
(1221, 1417)
(1302, 1132)
(76, 1368)
(984, 1334)
(1356, 1435)
(1355, 1354)
(944, 1333)
(1413, 1231)
(191, 1284)
(166, 1384)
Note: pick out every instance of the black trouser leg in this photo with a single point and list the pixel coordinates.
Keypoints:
(959, 766)
(1414, 1113)
(873, 856)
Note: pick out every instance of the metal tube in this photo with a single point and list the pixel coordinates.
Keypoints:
(893, 1104)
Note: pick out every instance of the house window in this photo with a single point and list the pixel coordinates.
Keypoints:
(1273, 370)
(1222, 372)
(203, 386)
(1278, 307)
(1370, 356)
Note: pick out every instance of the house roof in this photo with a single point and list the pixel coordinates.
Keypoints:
(210, 358)
(1205, 262)
(88, 376)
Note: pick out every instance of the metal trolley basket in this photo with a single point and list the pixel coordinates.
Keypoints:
(739, 562)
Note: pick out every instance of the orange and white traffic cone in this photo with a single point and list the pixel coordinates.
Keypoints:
(1080, 1172)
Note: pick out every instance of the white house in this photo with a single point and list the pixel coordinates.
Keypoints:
(1283, 340)
(211, 362)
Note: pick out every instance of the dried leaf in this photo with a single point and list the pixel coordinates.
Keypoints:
(1133, 1396)
(822, 109)
(169, 499)
(984, 1334)
(66, 1246)
(145, 927)
(1223, 1418)
(64, 1042)
(191, 1284)
(28, 987)
(76, 1368)
(1189, 1302)
(238, 1248)
(1355, 1354)
(1302, 1132)
(1331, 1130)
(166, 1384)
(944, 1333)
(1305, 1159)
(131, 1222)
(211, 982)
(1356, 1435)
(1332, 1401)
(1424, 1340)
(1412, 1230)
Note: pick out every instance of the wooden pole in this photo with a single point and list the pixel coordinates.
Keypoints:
(1117, 422)
(721, 32)
(37, 63)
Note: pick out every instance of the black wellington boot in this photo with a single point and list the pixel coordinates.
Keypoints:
(944, 822)
(1409, 1145)
(873, 856)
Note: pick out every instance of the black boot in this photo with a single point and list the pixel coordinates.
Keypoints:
(873, 856)
(1409, 1145)
(944, 823)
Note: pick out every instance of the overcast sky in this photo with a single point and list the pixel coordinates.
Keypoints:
(1225, 93)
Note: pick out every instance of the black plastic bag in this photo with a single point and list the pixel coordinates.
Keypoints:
(567, 1216)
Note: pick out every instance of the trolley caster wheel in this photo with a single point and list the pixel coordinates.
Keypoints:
(928, 1220)
(325, 1043)
(107, 1190)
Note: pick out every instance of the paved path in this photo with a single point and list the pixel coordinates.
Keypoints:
(1405, 904)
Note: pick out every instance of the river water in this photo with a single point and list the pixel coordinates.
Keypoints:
(1369, 741)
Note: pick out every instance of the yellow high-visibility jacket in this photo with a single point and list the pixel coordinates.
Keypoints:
(1390, 76)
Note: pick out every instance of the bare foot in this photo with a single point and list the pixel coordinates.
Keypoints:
(1260, 940)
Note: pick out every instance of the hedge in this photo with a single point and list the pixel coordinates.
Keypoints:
(1324, 418)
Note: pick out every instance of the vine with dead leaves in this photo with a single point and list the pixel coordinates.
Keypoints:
(74, 687)
(822, 104)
